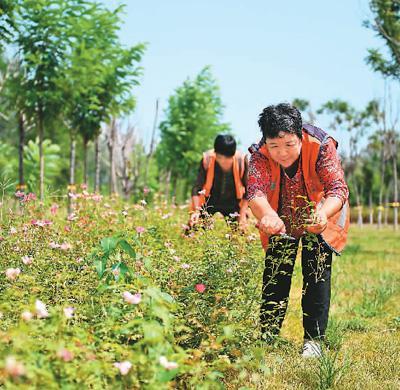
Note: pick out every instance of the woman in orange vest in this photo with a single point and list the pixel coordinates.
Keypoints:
(297, 192)
(221, 183)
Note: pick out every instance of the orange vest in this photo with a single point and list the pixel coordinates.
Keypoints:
(209, 159)
(335, 234)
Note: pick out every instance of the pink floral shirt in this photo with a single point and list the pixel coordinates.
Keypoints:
(293, 199)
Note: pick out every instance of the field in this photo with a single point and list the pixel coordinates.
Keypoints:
(115, 296)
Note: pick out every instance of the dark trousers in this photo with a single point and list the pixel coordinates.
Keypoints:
(316, 261)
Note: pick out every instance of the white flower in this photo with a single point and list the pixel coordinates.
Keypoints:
(185, 266)
(12, 273)
(41, 310)
(13, 367)
(123, 367)
(167, 364)
(26, 315)
(69, 312)
(27, 260)
(133, 299)
(13, 230)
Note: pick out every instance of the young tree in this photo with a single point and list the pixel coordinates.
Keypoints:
(193, 119)
(347, 118)
(43, 39)
(386, 24)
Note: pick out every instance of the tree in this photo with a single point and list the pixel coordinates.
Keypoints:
(304, 106)
(43, 40)
(386, 23)
(193, 119)
(7, 22)
(346, 117)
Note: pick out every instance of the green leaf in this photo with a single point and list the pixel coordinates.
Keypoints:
(108, 244)
(127, 248)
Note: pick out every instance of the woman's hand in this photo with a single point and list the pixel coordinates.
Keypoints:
(318, 223)
(271, 224)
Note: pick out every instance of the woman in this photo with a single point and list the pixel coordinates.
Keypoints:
(296, 190)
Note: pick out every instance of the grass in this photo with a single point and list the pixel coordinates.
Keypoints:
(363, 333)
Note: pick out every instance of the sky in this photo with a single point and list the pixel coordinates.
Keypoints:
(260, 53)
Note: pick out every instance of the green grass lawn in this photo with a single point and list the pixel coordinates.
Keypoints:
(364, 326)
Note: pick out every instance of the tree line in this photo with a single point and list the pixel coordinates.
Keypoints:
(67, 85)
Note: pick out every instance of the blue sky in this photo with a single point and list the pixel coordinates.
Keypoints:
(260, 52)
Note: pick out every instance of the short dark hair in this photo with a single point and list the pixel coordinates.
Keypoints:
(282, 117)
(225, 144)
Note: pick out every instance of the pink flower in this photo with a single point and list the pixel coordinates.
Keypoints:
(79, 259)
(26, 315)
(185, 266)
(41, 223)
(229, 270)
(165, 216)
(68, 312)
(123, 367)
(14, 368)
(54, 245)
(140, 229)
(67, 228)
(200, 287)
(65, 355)
(132, 299)
(97, 198)
(72, 217)
(19, 194)
(54, 208)
(65, 246)
(29, 197)
(12, 273)
(185, 227)
(176, 258)
(40, 309)
(167, 364)
(27, 260)
(84, 186)
(146, 190)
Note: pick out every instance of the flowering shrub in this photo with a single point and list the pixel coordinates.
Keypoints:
(115, 295)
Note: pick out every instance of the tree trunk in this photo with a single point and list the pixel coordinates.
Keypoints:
(386, 208)
(371, 210)
(382, 184)
(174, 189)
(395, 189)
(97, 164)
(152, 145)
(41, 153)
(111, 146)
(167, 185)
(359, 208)
(85, 161)
(21, 129)
(72, 159)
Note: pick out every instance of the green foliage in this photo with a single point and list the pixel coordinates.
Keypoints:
(386, 24)
(53, 164)
(193, 119)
